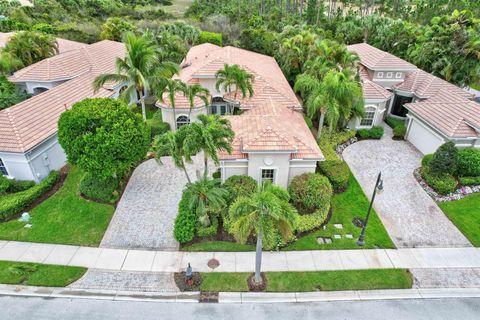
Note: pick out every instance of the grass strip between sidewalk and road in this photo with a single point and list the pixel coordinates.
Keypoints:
(311, 281)
(34, 274)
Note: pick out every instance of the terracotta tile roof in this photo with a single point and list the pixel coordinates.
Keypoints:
(30, 122)
(453, 115)
(426, 85)
(181, 102)
(374, 91)
(376, 59)
(272, 127)
(64, 45)
(67, 65)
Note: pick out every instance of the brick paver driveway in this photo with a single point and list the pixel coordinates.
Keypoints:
(146, 212)
(410, 216)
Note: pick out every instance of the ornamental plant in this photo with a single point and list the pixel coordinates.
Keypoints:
(445, 159)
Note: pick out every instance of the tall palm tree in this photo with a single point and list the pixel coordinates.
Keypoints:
(137, 70)
(210, 134)
(263, 214)
(170, 88)
(205, 195)
(234, 75)
(195, 91)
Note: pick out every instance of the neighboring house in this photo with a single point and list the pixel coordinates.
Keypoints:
(272, 141)
(435, 110)
(29, 147)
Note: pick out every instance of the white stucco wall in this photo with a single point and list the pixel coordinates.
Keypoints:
(278, 161)
(29, 86)
(17, 166)
(380, 106)
(388, 78)
(230, 168)
(298, 167)
(167, 115)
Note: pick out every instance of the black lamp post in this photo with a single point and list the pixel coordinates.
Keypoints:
(378, 188)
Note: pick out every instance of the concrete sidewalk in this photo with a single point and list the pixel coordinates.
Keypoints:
(168, 261)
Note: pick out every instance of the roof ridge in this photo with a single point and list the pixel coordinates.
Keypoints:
(15, 129)
(267, 129)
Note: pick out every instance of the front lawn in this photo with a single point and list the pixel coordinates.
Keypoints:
(347, 205)
(465, 214)
(220, 246)
(35, 274)
(64, 218)
(312, 281)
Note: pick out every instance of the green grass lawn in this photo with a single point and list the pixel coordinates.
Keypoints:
(465, 214)
(64, 218)
(218, 246)
(346, 206)
(312, 281)
(34, 274)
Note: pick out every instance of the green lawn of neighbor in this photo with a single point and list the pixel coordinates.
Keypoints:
(34, 274)
(312, 281)
(465, 214)
(346, 206)
(218, 246)
(64, 218)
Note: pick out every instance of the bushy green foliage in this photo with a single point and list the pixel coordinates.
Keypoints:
(114, 28)
(469, 162)
(209, 231)
(376, 132)
(4, 184)
(330, 141)
(210, 37)
(240, 186)
(469, 181)
(158, 128)
(184, 228)
(13, 204)
(103, 136)
(399, 131)
(310, 192)
(43, 27)
(337, 172)
(443, 183)
(308, 222)
(12, 186)
(426, 160)
(30, 46)
(9, 94)
(107, 190)
(445, 159)
(394, 122)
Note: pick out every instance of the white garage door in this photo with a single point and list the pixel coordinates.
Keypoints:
(422, 138)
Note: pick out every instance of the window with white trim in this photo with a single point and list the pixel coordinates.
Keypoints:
(3, 168)
(268, 175)
(379, 74)
(182, 120)
(389, 75)
(398, 75)
(367, 120)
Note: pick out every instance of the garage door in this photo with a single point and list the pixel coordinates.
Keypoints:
(422, 138)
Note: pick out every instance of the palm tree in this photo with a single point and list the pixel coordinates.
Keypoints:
(30, 46)
(337, 97)
(170, 88)
(195, 91)
(210, 134)
(234, 75)
(206, 195)
(263, 214)
(137, 70)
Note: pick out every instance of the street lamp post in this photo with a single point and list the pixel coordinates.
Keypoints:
(378, 188)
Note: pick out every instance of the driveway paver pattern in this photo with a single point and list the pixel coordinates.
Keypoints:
(410, 216)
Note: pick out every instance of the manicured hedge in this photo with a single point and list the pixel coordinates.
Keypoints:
(158, 128)
(445, 159)
(443, 183)
(307, 222)
(375, 132)
(12, 186)
(240, 186)
(310, 192)
(469, 181)
(469, 162)
(101, 189)
(210, 37)
(14, 203)
(394, 122)
(426, 160)
(184, 228)
(329, 142)
(211, 230)
(399, 131)
(337, 171)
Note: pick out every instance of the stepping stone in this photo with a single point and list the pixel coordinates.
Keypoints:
(320, 240)
(28, 225)
(349, 236)
(338, 226)
(337, 236)
(327, 240)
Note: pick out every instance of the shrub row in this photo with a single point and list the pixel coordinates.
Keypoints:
(443, 183)
(307, 222)
(329, 142)
(376, 132)
(14, 203)
(337, 172)
(399, 131)
(184, 228)
(469, 162)
(469, 181)
(12, 186)
(240, 186)
(310, 192)
(106, 190)
(210, 37)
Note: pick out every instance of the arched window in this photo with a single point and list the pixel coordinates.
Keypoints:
(367, 120)
(182, 120)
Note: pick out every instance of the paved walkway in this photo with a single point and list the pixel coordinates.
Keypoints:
(410, 216)
(146, 213)
(173, 261)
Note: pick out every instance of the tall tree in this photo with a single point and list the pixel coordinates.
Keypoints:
(195, 91)
(170, 88)
(30, 47)
(234, 75)
(263, 214)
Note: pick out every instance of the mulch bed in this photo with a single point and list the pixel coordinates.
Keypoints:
(183, 285)
(255, 287)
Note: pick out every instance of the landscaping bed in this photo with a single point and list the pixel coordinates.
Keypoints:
(34, 274)
(310, 281)
(64, 218)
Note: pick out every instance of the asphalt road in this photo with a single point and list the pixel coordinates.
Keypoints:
(79, 309)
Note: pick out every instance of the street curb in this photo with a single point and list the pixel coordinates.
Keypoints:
(240, 297)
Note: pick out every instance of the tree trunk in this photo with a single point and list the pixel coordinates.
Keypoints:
(141, 95)
(301, 7)
(186, 173)
(258, 258)
(205, 160)
(320, 124)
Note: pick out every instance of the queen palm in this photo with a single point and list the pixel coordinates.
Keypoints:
(209, 134)
(195, 91)
(263, 214)
(30, 46)
(234, 75)
(137, 70)
(169, 88)
(205, 195)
